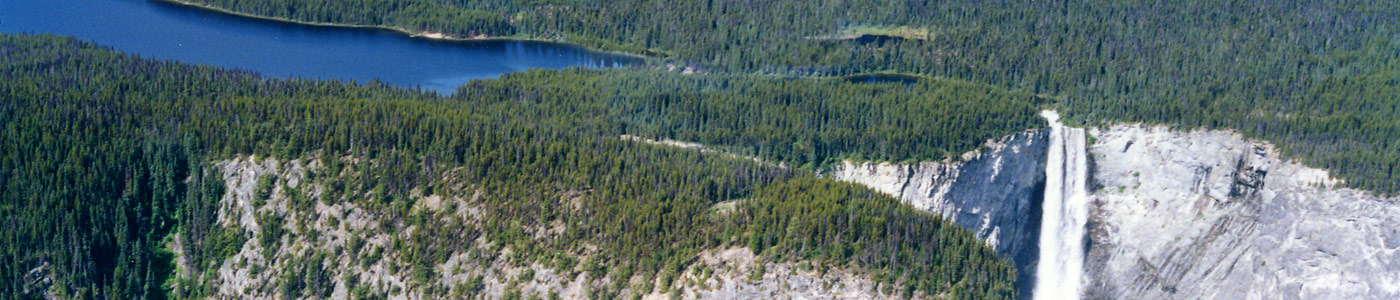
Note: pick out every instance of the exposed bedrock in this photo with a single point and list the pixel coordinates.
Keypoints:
(995, 191)
(1211, 215)
(1173, 215)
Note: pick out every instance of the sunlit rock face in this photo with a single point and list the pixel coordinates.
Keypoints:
(995, 191)
(1211, 215)
(1172, 215)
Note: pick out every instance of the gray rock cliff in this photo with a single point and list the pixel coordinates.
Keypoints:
(1211, 215)
(1174, 215)
(995, 191)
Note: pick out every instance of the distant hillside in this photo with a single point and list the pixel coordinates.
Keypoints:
(1317, 78)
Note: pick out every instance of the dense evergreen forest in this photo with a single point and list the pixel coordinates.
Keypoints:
(800, 122)
(1317, 78)
(106, 158)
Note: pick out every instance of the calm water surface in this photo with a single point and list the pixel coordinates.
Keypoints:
(165, 31)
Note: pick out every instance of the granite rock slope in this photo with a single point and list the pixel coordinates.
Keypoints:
(1211, 215)
(995, 191)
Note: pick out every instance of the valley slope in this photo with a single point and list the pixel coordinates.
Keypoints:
(126, 177)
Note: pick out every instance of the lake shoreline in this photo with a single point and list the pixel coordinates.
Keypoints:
(437, 36)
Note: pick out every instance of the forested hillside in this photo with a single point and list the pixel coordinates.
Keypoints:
(801, 122)
(1316, 77)
(105, 160)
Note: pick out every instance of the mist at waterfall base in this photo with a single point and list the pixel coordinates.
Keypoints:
(1060, 272)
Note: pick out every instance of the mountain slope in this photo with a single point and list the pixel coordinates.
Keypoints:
(1317, 78)
(111, 166)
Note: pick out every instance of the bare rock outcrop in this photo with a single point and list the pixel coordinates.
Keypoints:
(995, 191)
(738, 273)
(351, 252)
(1211, 215)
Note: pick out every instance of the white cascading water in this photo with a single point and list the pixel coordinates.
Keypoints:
(1060, 272)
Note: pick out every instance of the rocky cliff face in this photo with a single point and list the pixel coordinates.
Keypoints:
(995, 191)
(1210, 215)
(1174, 215)
(333, 248)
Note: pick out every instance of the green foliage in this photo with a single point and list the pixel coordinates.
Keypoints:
(840, 223)
(306, 277)
(1318, 78)
(270, 236)
(469, 288)
(222, 243)
(364, 292)
(414, 16)
(805, 123)
(756, 273)
(541, 148)
(206, 244)
(1347, 124)
(263, 191)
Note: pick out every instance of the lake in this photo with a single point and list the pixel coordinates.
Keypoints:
(165, 31)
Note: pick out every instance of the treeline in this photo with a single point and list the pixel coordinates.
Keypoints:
(412, 15)
(801, 122)
(105, 157)
(1349, 125)
(833, 222)
(1315, 77)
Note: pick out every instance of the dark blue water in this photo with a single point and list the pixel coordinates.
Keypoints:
(166, 31)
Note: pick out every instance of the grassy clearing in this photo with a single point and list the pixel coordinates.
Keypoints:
(857, 31)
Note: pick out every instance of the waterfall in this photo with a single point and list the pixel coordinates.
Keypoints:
(1059, 274)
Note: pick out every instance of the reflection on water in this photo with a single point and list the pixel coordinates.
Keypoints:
(166, 31)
